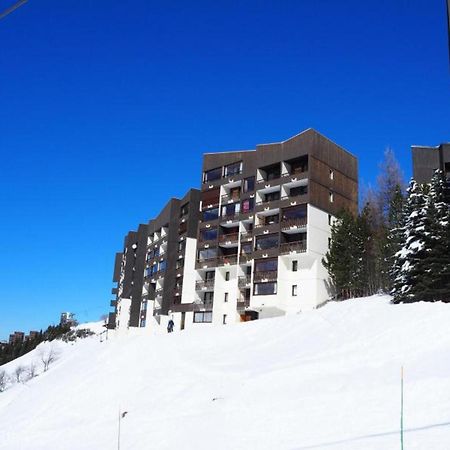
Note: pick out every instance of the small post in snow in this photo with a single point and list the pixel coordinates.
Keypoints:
(118, 433)
(401, 409)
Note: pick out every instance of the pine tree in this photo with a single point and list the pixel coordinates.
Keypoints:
(434, 284)
(408, 264)
(394, 236)
(339, 259)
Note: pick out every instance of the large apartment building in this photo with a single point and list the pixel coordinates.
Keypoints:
(426, 160)
(253, 237)
(156, 260)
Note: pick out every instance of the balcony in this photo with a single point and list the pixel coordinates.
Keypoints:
(267, 252)
(113, 303)
(266, 276)
(244, 281)
(246, 258)
(295, 175)
(261, 228)
(297, 222)
(247, 236)
(159, 292)
(227, 260)
(293, 247)
(205, 263)
(275, 181)
(231, 198)
(229, 238)
(204, 285)
(291, 200)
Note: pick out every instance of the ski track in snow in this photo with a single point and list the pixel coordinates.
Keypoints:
(327, 379)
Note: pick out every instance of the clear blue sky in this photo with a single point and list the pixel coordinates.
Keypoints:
(95, 94)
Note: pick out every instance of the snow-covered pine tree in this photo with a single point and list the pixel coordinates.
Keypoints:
(408, 264)
(434, 285)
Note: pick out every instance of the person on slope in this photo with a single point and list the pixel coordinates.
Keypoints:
(170, 326)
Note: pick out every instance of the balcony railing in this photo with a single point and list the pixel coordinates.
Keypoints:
(298, 173)
(204, 284)
(274, 202)
(290, 247)
(260, 228)
(246, 257)
(244, 281)
(267, 275)
(298, 222)
(224, 260)
(246, 236)
(232, 237)
(231, 198)
(211, 262)
(230, 215)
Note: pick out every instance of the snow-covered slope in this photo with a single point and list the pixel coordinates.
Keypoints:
(328, 379)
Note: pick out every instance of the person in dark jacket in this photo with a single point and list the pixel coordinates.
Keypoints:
(170, 326)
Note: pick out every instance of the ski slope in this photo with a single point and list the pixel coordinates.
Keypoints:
(328, 379)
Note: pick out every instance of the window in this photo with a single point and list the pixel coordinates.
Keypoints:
(294, 266)
(213, 174)
(329, 219)
(179, 264)
(208, 298)
(227, 276)
(208, 234)
(249, 184)
(233, 169)
(225, 298)
(207, 253)
(235, 193)
(203, 317)
(184, 209)
(209, 275)
(265, 288)
(299, 190)
(294, 290)
(224, 320)
(331, 175)
(296, 212)
(331, 197)
(246, 248)
(266, 242)
(247, 205)
(266, 265)
(210, 214)
(269, 220)
(181, 245)
(272, 196)
(231, 209)
(162, 265)
(272, 172)
(329, 242)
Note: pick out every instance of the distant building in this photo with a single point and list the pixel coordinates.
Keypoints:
(428, 159)
(17, 337)
(33, 335)
(67, 318)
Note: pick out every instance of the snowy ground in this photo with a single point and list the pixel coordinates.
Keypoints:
(329, 379)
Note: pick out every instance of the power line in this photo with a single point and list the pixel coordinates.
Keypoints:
(12, 8)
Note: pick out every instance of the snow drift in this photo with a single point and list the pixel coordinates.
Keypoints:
(328, 379)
